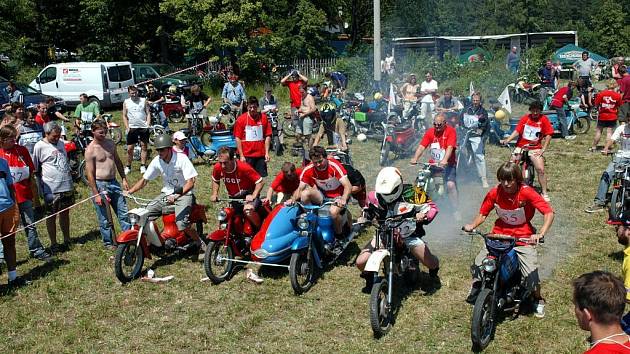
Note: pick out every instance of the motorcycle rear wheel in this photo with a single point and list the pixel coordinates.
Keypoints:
(176, 117)
(380, 312)
(616, 204)
(213, 260)
(483, 320)
(528, 174)
(128, 262)
(301, 272)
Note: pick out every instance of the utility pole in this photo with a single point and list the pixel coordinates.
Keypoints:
(377, 41)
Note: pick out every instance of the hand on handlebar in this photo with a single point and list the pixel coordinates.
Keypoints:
(468, 228)
(536, 239)
(172, 198)
(340, 202)
(249, 198)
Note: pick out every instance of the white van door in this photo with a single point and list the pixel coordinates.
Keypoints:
(47, 83)
(75, 79)
(119, 77)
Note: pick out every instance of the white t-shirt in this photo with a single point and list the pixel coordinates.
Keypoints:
(53, 161)
(622, 136)
(425, 87)
(136, 113)
(174, 173)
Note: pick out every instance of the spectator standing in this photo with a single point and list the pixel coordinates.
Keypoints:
(293, 82)
(607, 101)
(560, 98)
(584, 67)
(234, 94)
(428, 88)
(137, 119)
(624, 89)
(306, 116)
(547, 75)
(198, 100)
(51, 165)
(22, 172)
(30, 132)
(101, 164)
(15, 95)
(616, 75)
(409, 92)
(252, 131)
(475, 118)
(512, 62)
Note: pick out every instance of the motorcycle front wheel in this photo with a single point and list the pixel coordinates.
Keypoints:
(176, 117)
(128, 262)
(483, 320)
(276, 146)
(215, 261)
(81, 172)
(380, 311)
(582, 125)
(301, 272)
(616, 204)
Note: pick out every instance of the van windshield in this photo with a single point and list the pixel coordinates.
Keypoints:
(119, 73)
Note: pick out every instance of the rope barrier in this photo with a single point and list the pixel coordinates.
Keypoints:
(173, 73)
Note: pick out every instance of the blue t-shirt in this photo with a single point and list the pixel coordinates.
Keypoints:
(6, 201)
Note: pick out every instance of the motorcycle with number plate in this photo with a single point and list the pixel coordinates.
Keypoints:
(400, 139)
(390, 260)
(145, 238)
(503, 289)
(232, 239)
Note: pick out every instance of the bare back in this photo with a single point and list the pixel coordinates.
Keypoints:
(103, 155)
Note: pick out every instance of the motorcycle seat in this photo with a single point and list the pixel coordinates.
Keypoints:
(221, 133)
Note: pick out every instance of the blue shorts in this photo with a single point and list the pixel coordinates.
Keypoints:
(449, 174)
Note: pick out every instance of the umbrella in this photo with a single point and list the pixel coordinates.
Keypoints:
(571, 53)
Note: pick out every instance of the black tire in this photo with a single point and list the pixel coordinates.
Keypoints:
(287, 128)
(81, 171)
(528, 174)
(128, 262)
(616, 204)
(115, 134)
(154, 132)
(582, 125)
(206, 138)
(384, 157)
(199, 228)
(176, 117)
(380, 314)
(301, 272)
(483, 322)
(277, 147)
(212, 262)
(378, 133)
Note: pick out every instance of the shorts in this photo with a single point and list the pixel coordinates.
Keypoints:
(9, 220)
(138, 134)
(56, 202)
(449, 174)
(606, 123)
(304, 126)
(624, 112)
(410, 242)
(587, 81)
(527, 262)
(258, 164)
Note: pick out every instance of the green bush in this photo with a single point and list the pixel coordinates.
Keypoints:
(358, 71)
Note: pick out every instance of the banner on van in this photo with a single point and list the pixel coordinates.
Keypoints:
(71, 74)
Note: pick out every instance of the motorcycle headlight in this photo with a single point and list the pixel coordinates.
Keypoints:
(221, 215)
(261, 253)
(489, 265)
(302, 223)
(133, 219)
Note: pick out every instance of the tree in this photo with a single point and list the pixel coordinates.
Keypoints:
(610, 30)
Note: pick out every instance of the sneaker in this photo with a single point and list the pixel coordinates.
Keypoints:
(595, 208)
(539, 309)
(570, 137)
(143, 169)
(484, 182)
(253, 277)
(44, 257)
(475, 289)
(546, 197)
(17, 282)
(127, 170)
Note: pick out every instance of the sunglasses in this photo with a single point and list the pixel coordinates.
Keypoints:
(437, 125)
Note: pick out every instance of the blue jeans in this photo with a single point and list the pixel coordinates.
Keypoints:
(35, 247)
(562, 120)
(606, 179)
(119, 205)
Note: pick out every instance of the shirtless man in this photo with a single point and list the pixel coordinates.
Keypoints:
(408, 92)
(101, 163)
(306, 114)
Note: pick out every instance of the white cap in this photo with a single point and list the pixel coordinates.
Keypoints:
(179, 136)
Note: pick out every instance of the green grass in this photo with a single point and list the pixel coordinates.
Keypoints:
(77, 305)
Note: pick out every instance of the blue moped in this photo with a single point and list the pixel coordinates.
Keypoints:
(218, 138)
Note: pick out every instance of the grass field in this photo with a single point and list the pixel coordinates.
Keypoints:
(76, 304)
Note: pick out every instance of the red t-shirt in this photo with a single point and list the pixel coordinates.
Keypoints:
(437, 144)
(243, 178)
(252, 133)
(22, 167)
(328, 181)
(608, 102)
(281, 184)
(512, 220)
(557, 100)
(41, 120)
(609, 348)
(532, 131)
(624, 88)
(294, 92)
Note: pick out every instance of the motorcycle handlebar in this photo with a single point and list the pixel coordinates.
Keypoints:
(501, 237)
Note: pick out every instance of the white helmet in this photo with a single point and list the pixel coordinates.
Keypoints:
(389, 185)
(213, 120)
(361, 137)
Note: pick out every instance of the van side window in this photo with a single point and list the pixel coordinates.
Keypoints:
(119, 73)
(48, 75)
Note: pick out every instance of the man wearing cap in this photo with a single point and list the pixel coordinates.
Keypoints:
(252, 131)
(180, 139)
(234, 94)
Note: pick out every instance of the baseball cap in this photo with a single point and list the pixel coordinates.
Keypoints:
(179, 136)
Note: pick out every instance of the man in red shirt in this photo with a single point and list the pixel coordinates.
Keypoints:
(560, 98)
(285, 183)
(325, 178)
(515, 204)
(624, 89)
(607, 101)
(600, 300)
(293, 81)
(534, 133)
(22, 169)
(252, 131)
(241, 181)
(441, 140)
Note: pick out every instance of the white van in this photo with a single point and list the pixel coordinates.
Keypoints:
(105, 82)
